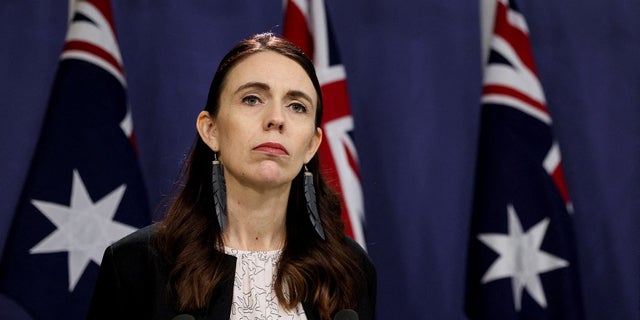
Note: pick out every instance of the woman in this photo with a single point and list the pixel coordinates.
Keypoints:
(254, 233)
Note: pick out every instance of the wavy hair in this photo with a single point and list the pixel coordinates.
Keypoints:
(320, 273)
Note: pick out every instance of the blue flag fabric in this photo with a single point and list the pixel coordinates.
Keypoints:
(522, 254)
(85, 188)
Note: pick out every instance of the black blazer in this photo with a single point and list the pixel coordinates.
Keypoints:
(133, 277)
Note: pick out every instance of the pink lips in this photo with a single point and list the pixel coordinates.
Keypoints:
(272, 148)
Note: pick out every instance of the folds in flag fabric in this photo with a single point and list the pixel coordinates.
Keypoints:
(84, 188)
(306, 23)
(522, 258)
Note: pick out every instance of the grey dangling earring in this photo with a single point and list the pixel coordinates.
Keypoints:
(312, 207)
(219, 191)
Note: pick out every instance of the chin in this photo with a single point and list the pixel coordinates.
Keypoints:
(275, 180)
(273, 172)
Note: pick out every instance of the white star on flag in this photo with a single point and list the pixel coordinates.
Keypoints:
(84, 229)
(521, 258)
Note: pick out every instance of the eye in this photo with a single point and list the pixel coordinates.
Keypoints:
(298, 107)
(251, 100)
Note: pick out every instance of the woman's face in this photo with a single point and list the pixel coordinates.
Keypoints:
(265, 128)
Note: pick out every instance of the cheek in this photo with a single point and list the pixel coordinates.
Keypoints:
(237, 137)
(310, 147)
(228, 127)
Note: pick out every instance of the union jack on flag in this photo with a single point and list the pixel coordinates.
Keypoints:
(522, 254)
(306, 23)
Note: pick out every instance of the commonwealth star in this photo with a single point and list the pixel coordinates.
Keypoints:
(84, 229)
(521, 258)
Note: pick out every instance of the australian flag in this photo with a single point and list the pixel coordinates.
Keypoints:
(307, 24)
(84, 188)
(522, 254)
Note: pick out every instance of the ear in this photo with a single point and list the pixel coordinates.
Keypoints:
(208, 130)
(314, 144)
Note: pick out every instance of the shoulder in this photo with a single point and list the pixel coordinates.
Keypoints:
(361, 256)
(137, 245)
(137, 239)
(132, 280)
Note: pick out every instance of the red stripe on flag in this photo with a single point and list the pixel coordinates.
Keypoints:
(558, 178)
(336, 100)
(508, 91)
(134, 142)
(296, 29)
(518, 40)
(93, 50)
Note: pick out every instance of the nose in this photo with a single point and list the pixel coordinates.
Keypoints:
(274, 118)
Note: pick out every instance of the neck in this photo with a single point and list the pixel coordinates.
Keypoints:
(256, 218)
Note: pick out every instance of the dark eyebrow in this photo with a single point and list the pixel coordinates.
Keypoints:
(258, 85)
(264, 86)
(299, 94)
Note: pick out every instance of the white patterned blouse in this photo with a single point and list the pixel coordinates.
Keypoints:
(253, 294)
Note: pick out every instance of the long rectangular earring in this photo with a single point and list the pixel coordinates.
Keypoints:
(219, 191)
(312, 208)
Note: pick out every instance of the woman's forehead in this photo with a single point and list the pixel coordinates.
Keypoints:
(273, 69)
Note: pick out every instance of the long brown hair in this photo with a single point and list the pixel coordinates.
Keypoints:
(319, 272)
